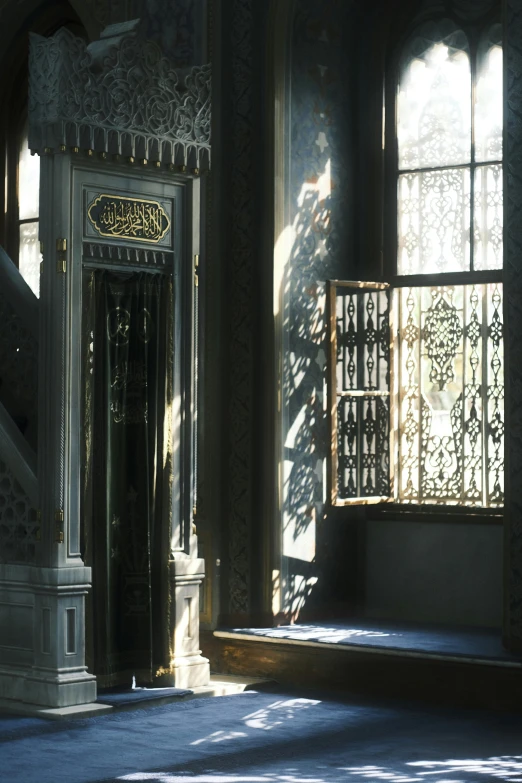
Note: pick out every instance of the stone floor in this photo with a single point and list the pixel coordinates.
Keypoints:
(266, 737)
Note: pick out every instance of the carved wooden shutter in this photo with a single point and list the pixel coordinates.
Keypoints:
(359, 392)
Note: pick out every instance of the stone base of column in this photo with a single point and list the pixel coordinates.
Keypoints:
(47, 689)
(42, 645)
(61, 690)
(188, 668)
(191, 671)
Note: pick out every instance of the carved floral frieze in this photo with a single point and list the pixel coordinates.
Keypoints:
(129, 102)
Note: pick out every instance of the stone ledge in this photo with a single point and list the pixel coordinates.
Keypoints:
(56, 713)
(220, 685)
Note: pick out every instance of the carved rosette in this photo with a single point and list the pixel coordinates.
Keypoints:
(131, 102)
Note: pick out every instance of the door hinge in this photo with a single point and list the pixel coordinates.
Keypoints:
(61, 255)
(196, 269)
(58, 526)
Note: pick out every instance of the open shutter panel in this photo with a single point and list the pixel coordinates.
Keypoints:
(359, 392)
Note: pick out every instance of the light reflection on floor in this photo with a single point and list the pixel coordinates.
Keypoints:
(317, 633)
(503, 768)
(266, 719)
(168, 778)
(268, 737)
(508, 768)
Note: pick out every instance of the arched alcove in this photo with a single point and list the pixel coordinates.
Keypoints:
(333, 204)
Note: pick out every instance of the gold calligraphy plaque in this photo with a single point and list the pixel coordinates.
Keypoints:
(123, 217)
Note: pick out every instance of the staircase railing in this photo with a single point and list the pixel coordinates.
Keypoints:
(16, 452)
(19, 316)
(22, 299)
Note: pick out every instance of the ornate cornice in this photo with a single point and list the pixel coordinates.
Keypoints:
(117, 96)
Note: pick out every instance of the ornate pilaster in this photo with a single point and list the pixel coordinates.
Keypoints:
(513, 318)
(242, 221)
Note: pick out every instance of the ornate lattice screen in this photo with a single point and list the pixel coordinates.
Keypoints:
(417, 410)
(450, 395)
(359, 391)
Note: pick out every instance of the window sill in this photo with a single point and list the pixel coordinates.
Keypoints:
(435, 513)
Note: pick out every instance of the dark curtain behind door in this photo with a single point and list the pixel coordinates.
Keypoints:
(128, 356)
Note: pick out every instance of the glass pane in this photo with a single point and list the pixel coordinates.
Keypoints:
(434, 222)
(28, 182)
(434, 100)
(488, 221)
(489, 104)
(29, 256)
(451, 392)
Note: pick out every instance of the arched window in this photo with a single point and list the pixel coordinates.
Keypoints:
(20, 213)
(29, 255)
(424, 422)
(449, 139)
(449, 220)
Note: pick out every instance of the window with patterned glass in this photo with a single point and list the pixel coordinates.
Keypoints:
(19, 224)
(29, 256)
(449, 139)
(417, 364)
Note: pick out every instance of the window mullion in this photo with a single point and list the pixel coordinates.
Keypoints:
(484, 398)
(462, 445)
(420, 390)
(359, 315)
(394, 386)
(473, 69)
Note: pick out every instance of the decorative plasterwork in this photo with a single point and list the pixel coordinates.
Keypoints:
(19, 525)
(241, 259)
(122, 98)
(178, 27)
(513, 319)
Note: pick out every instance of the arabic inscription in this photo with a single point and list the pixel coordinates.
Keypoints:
(128, 218)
